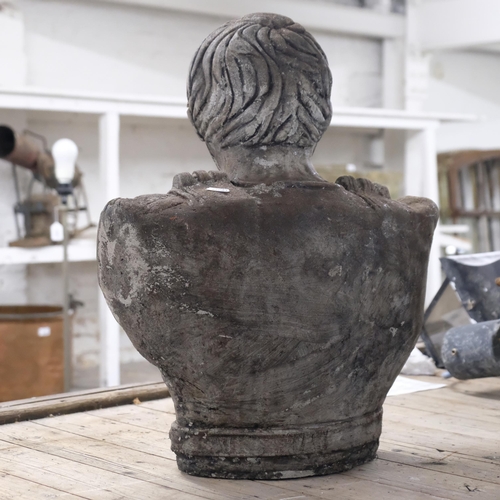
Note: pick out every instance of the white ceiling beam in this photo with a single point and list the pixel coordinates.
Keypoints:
(458, 24)
(312, 15)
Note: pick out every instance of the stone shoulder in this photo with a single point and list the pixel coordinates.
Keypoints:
(378, 196)
(201, 187)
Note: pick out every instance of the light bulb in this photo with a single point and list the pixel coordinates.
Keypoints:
(65, 152)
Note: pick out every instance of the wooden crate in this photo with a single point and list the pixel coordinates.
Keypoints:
(31, 351)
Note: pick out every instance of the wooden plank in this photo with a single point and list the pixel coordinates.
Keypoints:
(451, 442)
(322, 487)
(138, 416)
(425, 481)
(416, 481)
(132, 463)
(15, 488)
(82, 480)
(140, 440)
(490, 385)
(146, 417)
(480, 393)
(62, 404)
(346, 487)
(435, 445)
(164, 405)
(440, 461)
(477, 428)
(121, 434)
(464, 407)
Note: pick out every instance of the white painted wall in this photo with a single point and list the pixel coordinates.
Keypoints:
(12, 46)
(114, 48)
(468, 82)
(92, 46)
(110, 48)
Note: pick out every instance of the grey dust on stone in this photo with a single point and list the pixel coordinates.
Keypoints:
(278, 307)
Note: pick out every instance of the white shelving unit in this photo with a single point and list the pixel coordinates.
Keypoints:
(420, 170)
(79, 250)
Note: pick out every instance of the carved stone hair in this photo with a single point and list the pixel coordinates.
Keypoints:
(260, 80)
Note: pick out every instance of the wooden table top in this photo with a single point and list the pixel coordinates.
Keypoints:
(437, 444)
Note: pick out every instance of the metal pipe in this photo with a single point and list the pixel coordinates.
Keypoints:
(20, 149)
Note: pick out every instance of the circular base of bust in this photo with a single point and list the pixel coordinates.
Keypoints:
(278, 467)
(277, 452)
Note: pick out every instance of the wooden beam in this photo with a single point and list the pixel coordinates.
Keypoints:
(458, 24)
(313, 15)
(62, 404)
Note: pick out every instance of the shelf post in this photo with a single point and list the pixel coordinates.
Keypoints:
(421, 179)
(109, 166)
(67, 330)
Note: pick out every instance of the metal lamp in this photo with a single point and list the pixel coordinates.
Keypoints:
(65, 152)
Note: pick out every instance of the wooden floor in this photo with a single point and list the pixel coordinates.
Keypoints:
(437, 444)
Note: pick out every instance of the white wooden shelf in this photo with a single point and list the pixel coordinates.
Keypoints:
(78, 251)
(37, 99)
(420, 169)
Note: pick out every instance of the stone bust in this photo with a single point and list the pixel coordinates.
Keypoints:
(259, 96)
(278, 307)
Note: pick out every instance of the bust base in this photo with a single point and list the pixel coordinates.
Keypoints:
(277, 453)
(278, 467)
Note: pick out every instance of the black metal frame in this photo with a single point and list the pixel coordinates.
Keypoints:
(430, 347)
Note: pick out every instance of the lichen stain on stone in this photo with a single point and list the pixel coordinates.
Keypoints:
(110, 250)
(137, 267)
(335, 271)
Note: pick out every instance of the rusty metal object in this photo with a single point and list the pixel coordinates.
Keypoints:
(23, 150)
(473, 351)
(19, 149)
(38, 211)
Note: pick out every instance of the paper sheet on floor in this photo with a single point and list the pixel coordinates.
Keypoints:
(403, 385)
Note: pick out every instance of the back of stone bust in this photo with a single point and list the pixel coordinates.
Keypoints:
(259, 96)
(278, 307)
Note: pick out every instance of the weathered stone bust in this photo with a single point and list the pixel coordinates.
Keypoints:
(279, 307)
